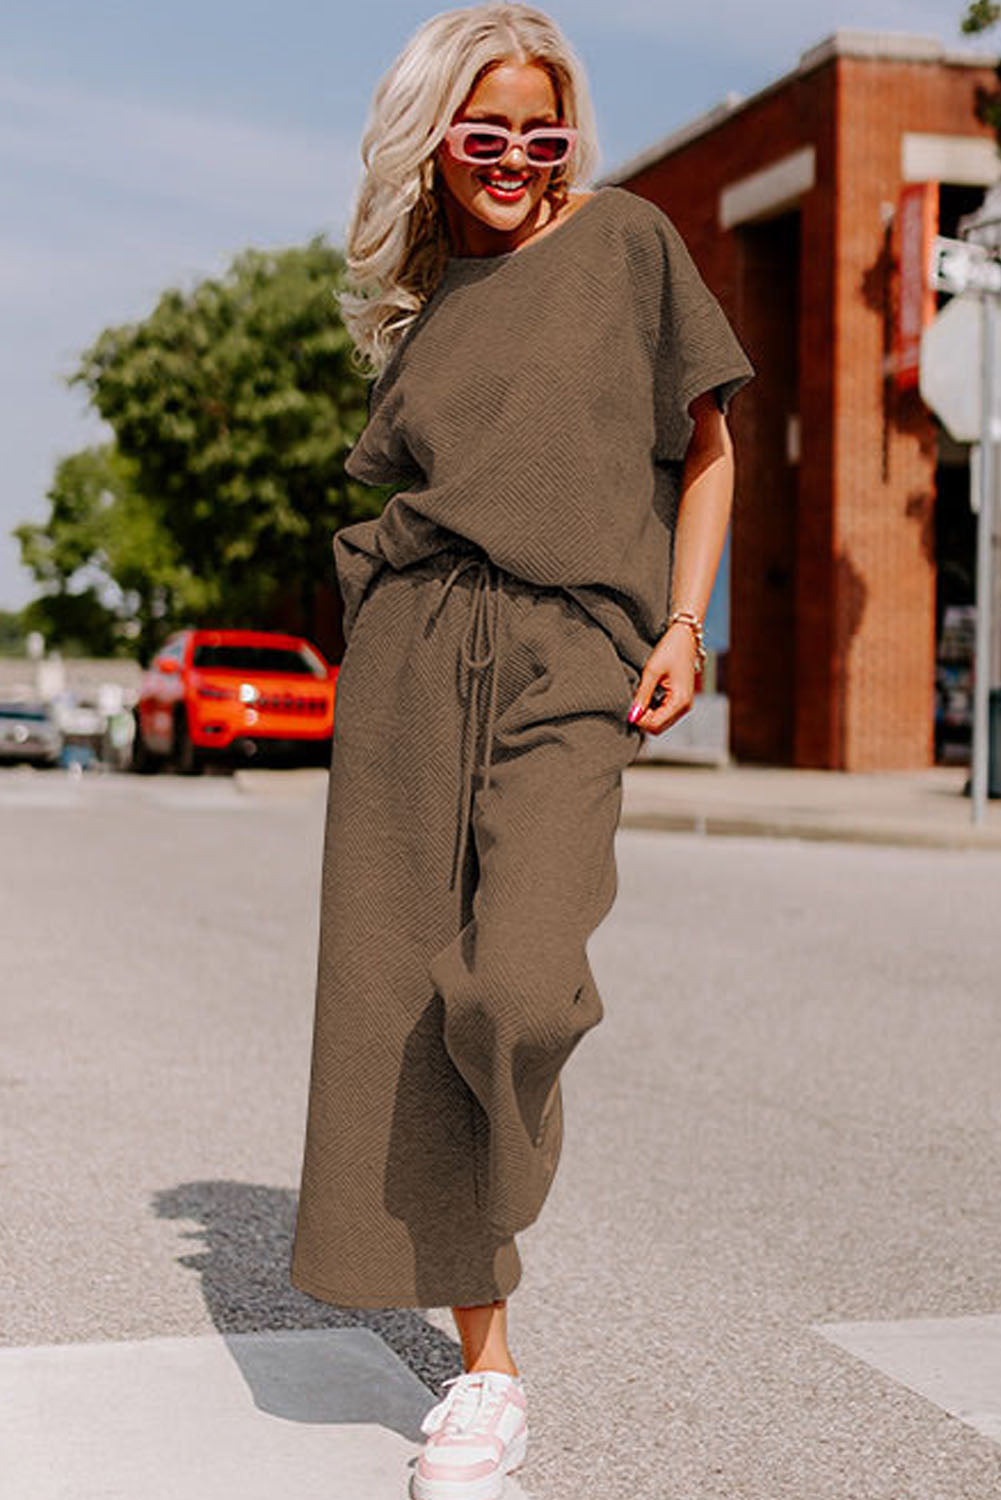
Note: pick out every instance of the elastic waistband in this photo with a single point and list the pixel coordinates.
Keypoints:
(441, 563)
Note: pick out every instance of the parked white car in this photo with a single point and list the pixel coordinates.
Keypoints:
(29, 733)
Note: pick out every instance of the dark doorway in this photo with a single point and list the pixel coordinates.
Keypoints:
(955, 597)
(955, 548)
(761, 666)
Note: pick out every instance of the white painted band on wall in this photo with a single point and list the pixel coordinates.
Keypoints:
(969, 159)
(769, 191)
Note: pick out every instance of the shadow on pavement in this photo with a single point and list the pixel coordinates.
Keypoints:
(246, 1239)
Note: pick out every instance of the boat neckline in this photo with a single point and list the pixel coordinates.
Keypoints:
(456, 262)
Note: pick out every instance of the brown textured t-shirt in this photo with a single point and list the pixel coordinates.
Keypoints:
(537, 408)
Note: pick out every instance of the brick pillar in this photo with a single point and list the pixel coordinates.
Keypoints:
(885, 451)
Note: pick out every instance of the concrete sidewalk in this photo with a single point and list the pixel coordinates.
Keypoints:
(321, 1414)
(923, 808)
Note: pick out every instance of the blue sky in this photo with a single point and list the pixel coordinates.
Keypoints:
(143, 145)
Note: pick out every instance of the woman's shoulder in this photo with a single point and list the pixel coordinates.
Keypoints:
(640, 229)
(632, 211)
(621, 206)
(652, 245)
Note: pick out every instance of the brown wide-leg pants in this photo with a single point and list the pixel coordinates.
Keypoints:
(475, 789)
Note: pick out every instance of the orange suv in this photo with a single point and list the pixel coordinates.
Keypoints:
(233, 694)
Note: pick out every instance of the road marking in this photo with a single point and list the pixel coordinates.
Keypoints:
(321, 1414)
(954, 1362)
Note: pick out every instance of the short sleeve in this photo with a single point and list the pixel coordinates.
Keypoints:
(381, 454)
(696, 348)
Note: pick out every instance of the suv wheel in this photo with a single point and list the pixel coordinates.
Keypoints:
(141, 759)
(187, 760)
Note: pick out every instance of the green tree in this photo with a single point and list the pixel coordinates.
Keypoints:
(236, 404)
(981, 15)
(111, 573)
(12, 632)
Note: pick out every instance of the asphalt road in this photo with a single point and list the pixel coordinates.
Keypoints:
(788, 1118)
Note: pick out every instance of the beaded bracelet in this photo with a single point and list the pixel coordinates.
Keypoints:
(690, 618)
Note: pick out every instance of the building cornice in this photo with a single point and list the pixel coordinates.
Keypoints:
(847, 41)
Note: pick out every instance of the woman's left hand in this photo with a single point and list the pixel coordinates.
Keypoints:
(671, 664)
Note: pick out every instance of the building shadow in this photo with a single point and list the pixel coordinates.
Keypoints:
(852, 592)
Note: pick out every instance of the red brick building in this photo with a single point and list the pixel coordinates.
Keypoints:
(851, 521)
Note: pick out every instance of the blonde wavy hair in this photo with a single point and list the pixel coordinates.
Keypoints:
(397, 238)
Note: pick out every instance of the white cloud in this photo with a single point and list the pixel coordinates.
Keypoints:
(173, 156)
(106, 202)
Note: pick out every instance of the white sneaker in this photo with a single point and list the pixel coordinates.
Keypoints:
(478, 1433)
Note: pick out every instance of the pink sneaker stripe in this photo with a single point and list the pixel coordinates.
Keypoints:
(428, 1470)
(471, 1440)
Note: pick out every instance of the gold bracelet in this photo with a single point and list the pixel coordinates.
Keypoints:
(690, 618)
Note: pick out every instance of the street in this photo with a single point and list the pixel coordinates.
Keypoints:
(787, 1120)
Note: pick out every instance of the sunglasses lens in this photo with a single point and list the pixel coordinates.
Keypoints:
(484, 145)
(548, 149)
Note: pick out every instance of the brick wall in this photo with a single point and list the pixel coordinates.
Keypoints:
(885, 443)
(833, 563)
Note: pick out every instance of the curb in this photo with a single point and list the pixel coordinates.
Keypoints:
(304, 781)
(737, 825)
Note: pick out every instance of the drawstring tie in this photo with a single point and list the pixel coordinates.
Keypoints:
(484, 617)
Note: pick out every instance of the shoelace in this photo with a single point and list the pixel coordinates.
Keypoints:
(472, 1399)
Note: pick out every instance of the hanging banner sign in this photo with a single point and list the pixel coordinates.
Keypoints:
(917, 221)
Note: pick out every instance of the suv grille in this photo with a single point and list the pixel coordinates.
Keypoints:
(289, 703)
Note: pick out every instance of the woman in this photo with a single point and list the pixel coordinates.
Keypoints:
(552, 378)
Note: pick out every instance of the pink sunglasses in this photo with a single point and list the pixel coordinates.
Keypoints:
(483, 143)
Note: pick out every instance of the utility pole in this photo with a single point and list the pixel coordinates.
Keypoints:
(970, 266)
(982, 228)
(985, 541)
